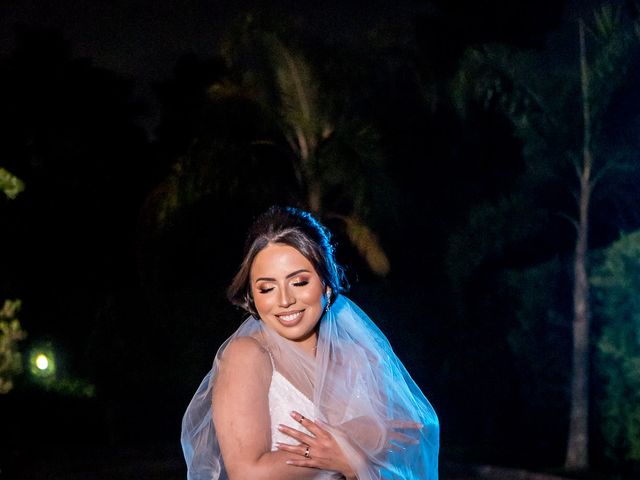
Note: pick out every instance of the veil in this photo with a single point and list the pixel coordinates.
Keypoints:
(360, 391)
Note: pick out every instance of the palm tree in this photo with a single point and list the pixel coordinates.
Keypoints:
(516, 83)
(330, 155)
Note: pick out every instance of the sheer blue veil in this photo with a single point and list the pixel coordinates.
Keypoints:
(361, 391)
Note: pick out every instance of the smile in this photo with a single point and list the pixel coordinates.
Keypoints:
(290, 317)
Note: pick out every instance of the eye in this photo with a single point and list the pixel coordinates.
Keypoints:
(300, 283)
(264, 289)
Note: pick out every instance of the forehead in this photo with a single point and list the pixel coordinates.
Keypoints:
(277, 258)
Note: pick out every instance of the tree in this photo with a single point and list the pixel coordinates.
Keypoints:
(82, 155)
(578, 441)
(10, 334)
(10, 330)
(616, 281)
(544, 115)
(332, 153)
(276, 111)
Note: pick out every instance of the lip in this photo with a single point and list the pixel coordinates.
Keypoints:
(290, 318)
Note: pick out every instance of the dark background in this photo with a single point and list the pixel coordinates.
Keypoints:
(140, 186)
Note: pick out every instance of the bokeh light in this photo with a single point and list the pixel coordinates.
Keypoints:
(42, 363)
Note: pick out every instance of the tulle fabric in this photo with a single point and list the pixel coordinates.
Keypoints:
(360, 391)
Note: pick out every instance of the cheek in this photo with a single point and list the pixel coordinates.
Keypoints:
(261, 302)
(314, 296)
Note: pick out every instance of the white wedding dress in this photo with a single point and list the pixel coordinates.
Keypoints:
(283, 398)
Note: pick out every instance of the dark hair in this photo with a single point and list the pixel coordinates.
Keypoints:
(298, 229)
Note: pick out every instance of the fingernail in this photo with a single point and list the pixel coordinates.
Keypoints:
(289, 462)
(280, 427)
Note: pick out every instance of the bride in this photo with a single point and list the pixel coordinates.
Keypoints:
(307, 387)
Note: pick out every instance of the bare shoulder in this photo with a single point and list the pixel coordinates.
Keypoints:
(244, 373)
(246, 352)
(245, 346)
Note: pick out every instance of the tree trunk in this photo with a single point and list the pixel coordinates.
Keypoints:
(578, 441)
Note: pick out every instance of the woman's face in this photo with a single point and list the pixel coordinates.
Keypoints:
(288, 293)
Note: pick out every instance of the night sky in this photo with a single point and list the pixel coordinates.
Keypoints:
(143, 39)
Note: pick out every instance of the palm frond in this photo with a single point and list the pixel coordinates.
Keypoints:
(301, 111)
(490, 77)
(611, 47)
(368, 245)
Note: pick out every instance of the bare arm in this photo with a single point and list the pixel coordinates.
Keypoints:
(241, 416)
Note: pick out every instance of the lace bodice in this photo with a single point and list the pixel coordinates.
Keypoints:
(283, 398)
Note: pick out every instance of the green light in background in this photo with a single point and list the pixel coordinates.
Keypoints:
(42, 363)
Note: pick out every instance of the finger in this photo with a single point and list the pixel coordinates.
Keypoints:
(399, 446)
(297, 449)
(391, 448)
(297, 434)
(402, 438)
(402, 425)
(310, 425)
(297, 416)
(394, 446)
(303, 463)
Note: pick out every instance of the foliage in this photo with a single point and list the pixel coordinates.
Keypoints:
(10, 185)
(613, 35)
(562, 128)
(616, 283)
(10, 334)
(541, 336)
(532, 90)
(10, 330)
(333, 153)
(366, 242)
(289, 131)
(489, 232)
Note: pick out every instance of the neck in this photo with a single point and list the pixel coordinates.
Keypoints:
(308, 343)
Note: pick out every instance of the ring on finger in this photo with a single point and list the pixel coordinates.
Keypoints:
(301, 419)
(306, 452)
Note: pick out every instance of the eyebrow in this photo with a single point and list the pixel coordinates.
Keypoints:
(292, 274)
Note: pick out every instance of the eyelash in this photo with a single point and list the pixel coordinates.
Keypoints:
(302, 283)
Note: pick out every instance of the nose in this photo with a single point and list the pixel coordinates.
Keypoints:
(286, 297)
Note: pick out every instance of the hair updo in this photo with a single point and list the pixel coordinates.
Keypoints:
(295, 228)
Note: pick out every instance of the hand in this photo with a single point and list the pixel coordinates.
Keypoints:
(319, 450)
(401, 433)
(389, 436)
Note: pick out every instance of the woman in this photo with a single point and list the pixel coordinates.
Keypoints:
(307, 387)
